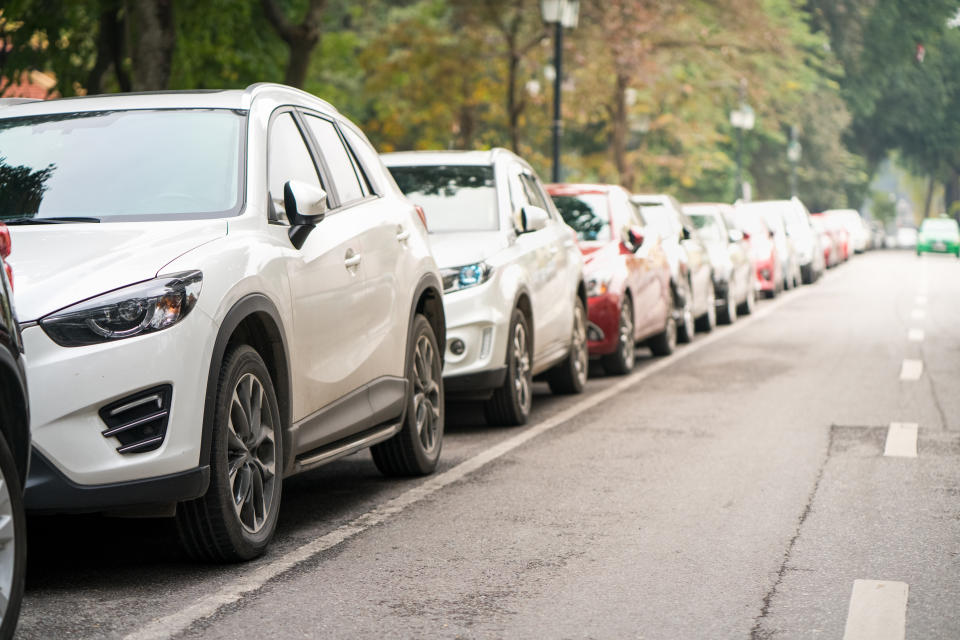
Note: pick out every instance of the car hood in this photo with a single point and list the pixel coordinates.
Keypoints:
(457, 249)
(57, 265)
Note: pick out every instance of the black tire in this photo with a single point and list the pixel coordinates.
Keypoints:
(747, 306)
(570, 376)
(18, 531)
(728, 314)
(213, 527)
(708, 320)
(806, 274)
(510, 404)
(415, 449)
(686, 324)
(665, 342)
(621, 361)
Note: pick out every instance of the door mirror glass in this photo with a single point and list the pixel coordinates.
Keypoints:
(633, 238)
(685, 234)
(306, 204)
(533, 218)
(736, 235)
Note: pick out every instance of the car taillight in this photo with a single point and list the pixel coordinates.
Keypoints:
(422, 215)
(5, 245)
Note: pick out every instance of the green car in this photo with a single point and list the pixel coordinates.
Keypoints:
(939, 235)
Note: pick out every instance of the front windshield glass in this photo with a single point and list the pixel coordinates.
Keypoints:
(660, 219)
(453, 197)
(121, 164)
(587, 213)
(939, 226)
(709, 227)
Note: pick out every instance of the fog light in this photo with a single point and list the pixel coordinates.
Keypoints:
(486, 342)
(457, 347)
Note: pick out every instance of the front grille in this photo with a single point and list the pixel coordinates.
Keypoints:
(139, 421)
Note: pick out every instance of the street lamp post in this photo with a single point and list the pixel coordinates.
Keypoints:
(742, 119)
(560, 13)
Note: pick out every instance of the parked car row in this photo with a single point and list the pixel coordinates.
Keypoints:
(262, 293)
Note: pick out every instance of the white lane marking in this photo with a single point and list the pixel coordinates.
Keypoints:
(174, 623)
(920, 301)
(918, 314)
(911, 369)
(901, 440)
(915, 335)
(878, 610)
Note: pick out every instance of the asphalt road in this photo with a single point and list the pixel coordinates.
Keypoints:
(738, 489)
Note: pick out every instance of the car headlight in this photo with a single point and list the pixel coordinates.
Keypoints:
(141, 308)
(598, 284)
(470, 275)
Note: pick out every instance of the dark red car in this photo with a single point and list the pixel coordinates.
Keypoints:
(626, 271)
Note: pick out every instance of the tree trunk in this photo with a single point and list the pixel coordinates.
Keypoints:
(951, 191)
(110, 51)
(153, 43)
(298, 64)
(513, 110)
(301, 38)
(619, 132)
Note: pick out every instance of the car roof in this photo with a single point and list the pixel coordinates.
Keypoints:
(568, 188)
(200, 99)
(420, 158)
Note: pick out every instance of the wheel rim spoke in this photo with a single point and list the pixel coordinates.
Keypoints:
(426, 394)
(251, 453)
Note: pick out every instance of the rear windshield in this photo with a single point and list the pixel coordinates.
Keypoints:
(587, 213)
(453, 197)
(115, 165)
(939, 226)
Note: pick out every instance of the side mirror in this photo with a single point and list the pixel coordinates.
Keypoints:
(306, 205)
(746, 236)
(686, 235)
(533, 218)
(736, 235)
(633, 238)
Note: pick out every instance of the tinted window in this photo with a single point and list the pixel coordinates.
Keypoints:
(454, 198)
(532, 191)
(588, 214)
(288, 159)
(338, 161)
(369, 160)
(121, 163)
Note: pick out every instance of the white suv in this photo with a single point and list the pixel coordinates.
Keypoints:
(218, 290)
(512, 277)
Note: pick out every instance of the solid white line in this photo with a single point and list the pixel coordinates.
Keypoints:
(918, 314)
(911, 369)
(901, 440)
(174, 623)
(878, 610)
(920, 301)
(915, 335)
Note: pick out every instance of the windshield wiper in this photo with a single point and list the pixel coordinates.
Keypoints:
(51, 220)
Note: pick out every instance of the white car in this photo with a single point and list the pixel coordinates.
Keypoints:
(512, 272)
(218, 290)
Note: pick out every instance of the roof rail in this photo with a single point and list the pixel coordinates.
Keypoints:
(7, 102)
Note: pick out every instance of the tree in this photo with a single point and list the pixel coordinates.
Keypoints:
(301, 38)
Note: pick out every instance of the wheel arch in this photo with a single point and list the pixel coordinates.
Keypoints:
(428, 300)
(13, 396)
(255, 321)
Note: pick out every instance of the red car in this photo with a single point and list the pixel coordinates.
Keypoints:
(627, 275)
(829, 240)
(763, 250)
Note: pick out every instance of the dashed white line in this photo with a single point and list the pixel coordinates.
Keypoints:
(918, 314)
(901, 440)
(915, 335)
(180, 620)
(911, 369)
(878, 610)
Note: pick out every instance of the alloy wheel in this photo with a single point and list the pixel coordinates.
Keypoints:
(7, 547)
(426, 395)
(251, 447)
(521, 359)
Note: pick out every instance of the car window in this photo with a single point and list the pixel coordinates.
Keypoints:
(339, 164)
(532, 191)
(939, 226)
(709, 226)
(453, 197)
(288, 159)
(370, 164)
(588, 214)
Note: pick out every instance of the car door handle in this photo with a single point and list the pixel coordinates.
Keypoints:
(402, 234)
(352, 260)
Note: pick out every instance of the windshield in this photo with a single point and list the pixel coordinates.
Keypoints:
(709, 227)
(121, 164)
(660, 219)
(454, 198)
(587, 213)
